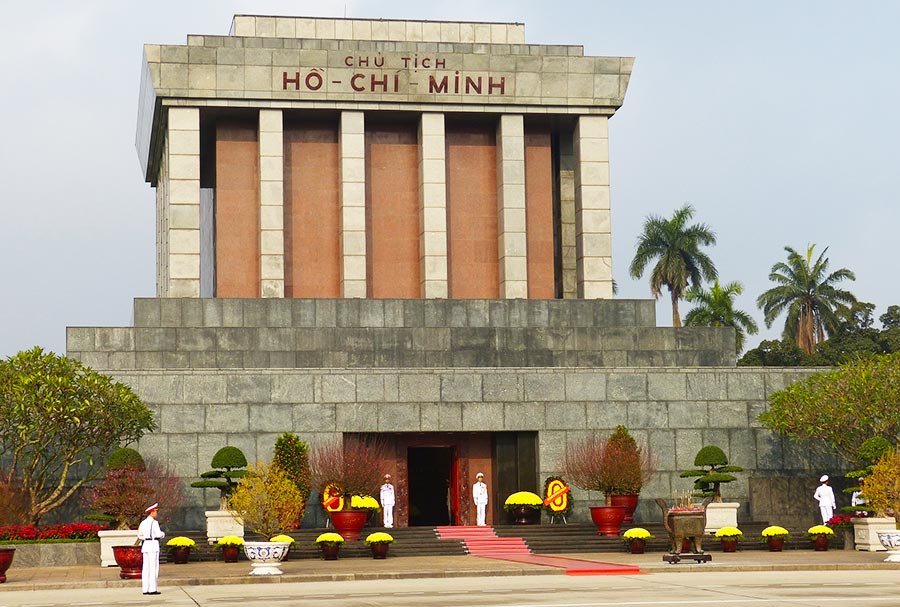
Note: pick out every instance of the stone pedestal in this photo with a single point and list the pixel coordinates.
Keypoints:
(220, 523)
(865, 532)
(127, 537)
(722, 515)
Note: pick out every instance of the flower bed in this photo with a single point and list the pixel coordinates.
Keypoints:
(67, 532)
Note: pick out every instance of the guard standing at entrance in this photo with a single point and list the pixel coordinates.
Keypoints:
(480, 497)
(387, 501)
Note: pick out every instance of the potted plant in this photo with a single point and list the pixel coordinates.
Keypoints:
(636, 538)
(7, 553)
(231, 546)
(179, 549)
(525, 507)
(347, 469)
(594, 464)
(267, 501)
(365, 503)
(330, 545)
(729, 536)
(129, 485)
(292, 456)
(844, 524)
(712, 470)
(379, 542)
(628, 471)
(820, 535)
(228, 467)
(774, 536)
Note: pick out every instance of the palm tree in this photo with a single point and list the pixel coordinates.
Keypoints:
(681, 262)
(715, 308)
(809, 295)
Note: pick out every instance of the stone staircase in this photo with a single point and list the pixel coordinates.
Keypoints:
(506, 539)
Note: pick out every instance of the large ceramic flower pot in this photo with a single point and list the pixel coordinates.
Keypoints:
(130, 560)
(636, 546)
(380, 551)
(6, 559)
(349, 523)
(629, 502)
(608, 519)
(776, 544)
(180, 555)
(891, 541)
(265, 557)
(525, 515)
(820, 543)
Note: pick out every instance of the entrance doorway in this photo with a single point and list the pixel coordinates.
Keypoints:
(433, 476)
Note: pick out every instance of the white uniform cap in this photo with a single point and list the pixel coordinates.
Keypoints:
(823, 478)
(479, 474)
(152, 508)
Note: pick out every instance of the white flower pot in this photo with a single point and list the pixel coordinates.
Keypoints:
(891, 542)
(865, 532)
(266, 557)
(721, 515)
(220, 523)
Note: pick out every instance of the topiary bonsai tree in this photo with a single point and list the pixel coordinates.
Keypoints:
(713, 470)
(292, 458)
(229, 466)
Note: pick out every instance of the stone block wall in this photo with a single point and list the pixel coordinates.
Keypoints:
(673, 412)
(360, 333)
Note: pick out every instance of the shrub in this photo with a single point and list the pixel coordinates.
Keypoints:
(124, 493)
(613, 467)
(354, 467)
(32, 533)
(229, 541)
(266, 500)
(882, 487)
(379, 537)
(292, 456)
(729, 533)
(124, 457)
(637, 533)
(523, 498)
(329, 539)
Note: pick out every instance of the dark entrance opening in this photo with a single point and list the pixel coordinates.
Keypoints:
(431, 472)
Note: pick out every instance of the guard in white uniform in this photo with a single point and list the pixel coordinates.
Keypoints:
(387, 501)
(825, 496)
(149, 533)
(480, 497)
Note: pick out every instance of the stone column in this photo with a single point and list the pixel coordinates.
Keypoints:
(432, 207)
(593, 242)
(512, 239)
(182, 233)
(353, 204)
(271, 204)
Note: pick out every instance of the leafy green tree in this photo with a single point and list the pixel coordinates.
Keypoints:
(59, 420)
(715, 308)
(777, 353)
(809, 295)
(836, 411)
(677, 247)
(891, 318)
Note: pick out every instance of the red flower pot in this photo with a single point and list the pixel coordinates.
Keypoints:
(608, 519)
(820, 543)
(130, 560)
(525, 515)
(349, 523)
(629, 502)
(729, 545)
(636, 546)
(181, 555)
(776, 544)
(330, 551)
(6, 559)
(379, 551)
(230, 553)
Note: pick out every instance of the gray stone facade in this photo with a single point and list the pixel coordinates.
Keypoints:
(672, 410)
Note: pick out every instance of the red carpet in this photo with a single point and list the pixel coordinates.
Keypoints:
(483, 542)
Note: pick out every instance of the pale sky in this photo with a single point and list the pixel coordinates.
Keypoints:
(777, 120)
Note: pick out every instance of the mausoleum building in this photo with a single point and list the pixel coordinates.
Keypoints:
(402, 229)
